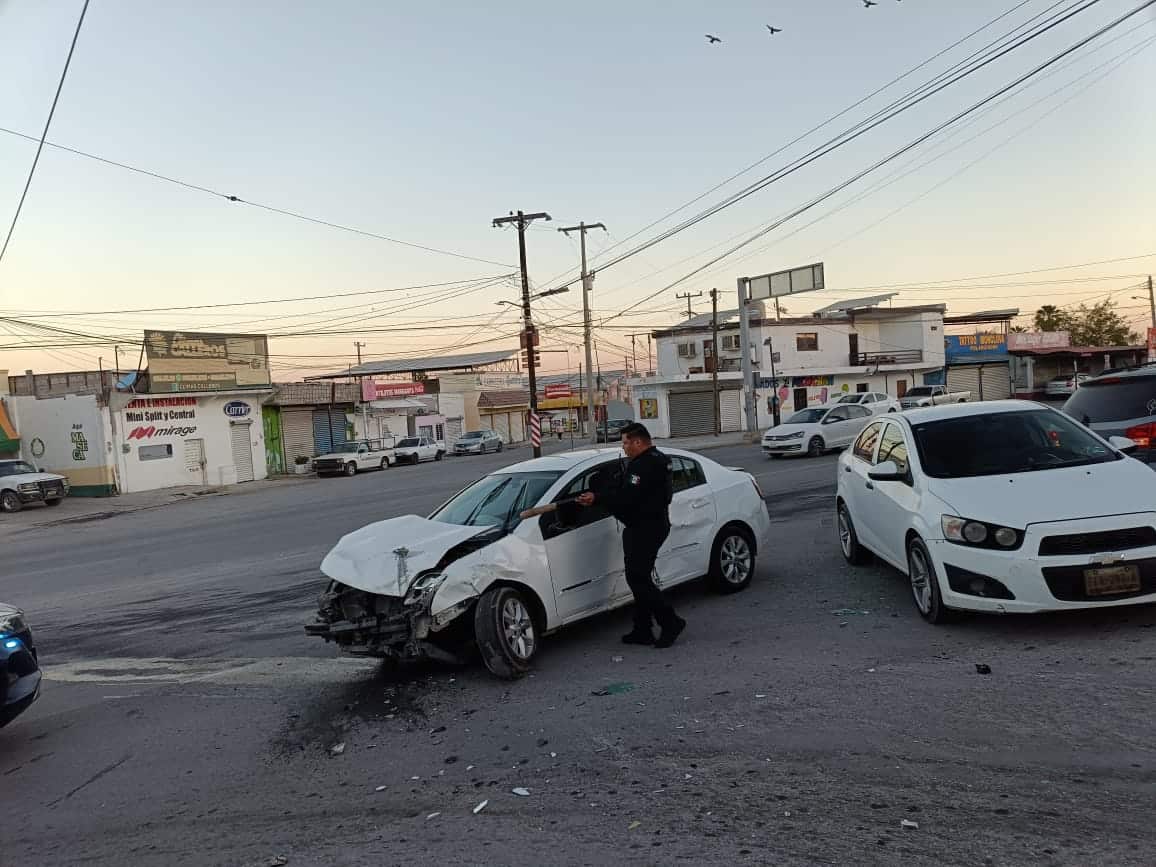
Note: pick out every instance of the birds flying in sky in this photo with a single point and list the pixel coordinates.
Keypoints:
(774, 30)
(712, 39)
(867, 4)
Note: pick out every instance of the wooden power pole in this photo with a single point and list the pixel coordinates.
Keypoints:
(714, 358)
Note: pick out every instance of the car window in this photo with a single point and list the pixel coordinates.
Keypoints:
(1006, 442)
(840, 413)
(850, 398)
(687, 473)
(408, 442)
(496, 501)
(807, 416)
(859, 412)
(865, 445)
(1113, 398)
(15, 468)
(893, 447)
(868, 398)
(919, 391)
(589, 480)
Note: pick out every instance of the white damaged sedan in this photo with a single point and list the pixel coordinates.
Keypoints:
(475, 572)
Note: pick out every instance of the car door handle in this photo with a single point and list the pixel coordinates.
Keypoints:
(870, 486)
(700, 504)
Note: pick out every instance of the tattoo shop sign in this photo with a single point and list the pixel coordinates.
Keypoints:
(157, 417)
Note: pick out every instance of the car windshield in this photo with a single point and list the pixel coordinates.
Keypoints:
(496, 500)
(12, 468)
(1006, 442)
(850, 398)
(409, 441)
(919, 391)
(807, 416)
(472, 435)
(1115, 398)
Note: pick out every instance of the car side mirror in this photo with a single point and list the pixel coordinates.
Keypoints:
(1122, 444)
(888, 471)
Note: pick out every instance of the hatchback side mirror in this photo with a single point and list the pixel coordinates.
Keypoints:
(888, 471)
(1122, 444)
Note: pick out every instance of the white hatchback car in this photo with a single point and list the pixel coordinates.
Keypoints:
(815, 430)
(475, 572)
(1007, 506)
(876, 401)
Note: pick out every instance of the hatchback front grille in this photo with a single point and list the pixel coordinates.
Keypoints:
(1098, 543)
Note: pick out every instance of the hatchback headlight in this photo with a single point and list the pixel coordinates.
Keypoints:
(424, 586)
(979, 534)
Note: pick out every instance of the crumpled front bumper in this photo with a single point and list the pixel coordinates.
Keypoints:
(367, 624)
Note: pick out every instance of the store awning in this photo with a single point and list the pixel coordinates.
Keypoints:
(9, 439)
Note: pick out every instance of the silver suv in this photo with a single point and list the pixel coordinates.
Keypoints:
(1120, 403)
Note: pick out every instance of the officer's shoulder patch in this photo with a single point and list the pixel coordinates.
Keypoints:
(635, 480)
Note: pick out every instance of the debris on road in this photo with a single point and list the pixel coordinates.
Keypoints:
(432, 816)
(553, 755)
(437, 731)
(480, 807)
(521, 793)
(982, 668)
(616, 659)
(337, 749)
(908, 825)
(633, 825)
(760, 695)
(542, 742)
(450, 760)
(614, 689)
(850, 612)
(380, 789)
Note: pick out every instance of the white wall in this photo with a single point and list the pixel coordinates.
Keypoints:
(73, 437)
(157, 420)
(658, 427)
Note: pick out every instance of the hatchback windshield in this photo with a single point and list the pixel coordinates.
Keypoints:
(807, 416)
(495, 501)
(850, 398)
(472, 435)
(1113, 399)
(11, 468)
(1006, 442)
(408, 442)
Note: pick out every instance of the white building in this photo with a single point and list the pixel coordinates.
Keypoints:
(800, 361)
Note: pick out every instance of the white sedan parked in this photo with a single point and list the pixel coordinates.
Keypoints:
(815, 430)
(476, 572)
(1003, 507)
(876, 401)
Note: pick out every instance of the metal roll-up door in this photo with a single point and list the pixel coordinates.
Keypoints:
(517, 427)
(964, 378)
(453, 432)
(691, 413)
(501, 424)
(297, 434)
(731, 409)
(995, 380)
(242, 447)
(328, 429)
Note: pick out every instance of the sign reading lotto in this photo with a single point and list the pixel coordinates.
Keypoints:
(555, 391)
(187, 361)
(972, 348)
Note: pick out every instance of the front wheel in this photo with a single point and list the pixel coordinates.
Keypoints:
(816, 447)
(925, 584)
(351, 469)
(439, 456)
(732, 561)
(9, 502)
(505, 631)
(853, 552)
(385, 463)
(501, 446)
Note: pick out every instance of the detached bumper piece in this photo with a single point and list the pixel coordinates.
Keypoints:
(365, 624)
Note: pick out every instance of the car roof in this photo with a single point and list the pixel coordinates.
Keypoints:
(566, 461)
(1127, 373)
(963, 410)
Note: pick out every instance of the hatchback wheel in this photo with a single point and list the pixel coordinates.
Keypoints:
(816, 447)
(9, 502)
(505, 631)
(732, 560)
(925, 584)
(853, 552)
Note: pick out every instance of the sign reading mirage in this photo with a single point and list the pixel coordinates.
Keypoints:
(187, 361)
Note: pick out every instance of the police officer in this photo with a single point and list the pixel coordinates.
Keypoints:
(641, 503)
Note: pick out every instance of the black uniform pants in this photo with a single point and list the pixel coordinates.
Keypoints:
(640, 545)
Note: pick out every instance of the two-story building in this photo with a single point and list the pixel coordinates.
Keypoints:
(797, 362)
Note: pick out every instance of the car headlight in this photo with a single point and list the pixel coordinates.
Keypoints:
(798, 435)
(10, 623)
(28, 486)
(423, 587)
(979, 534)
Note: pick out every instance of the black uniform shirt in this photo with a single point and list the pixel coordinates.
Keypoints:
(644, 493)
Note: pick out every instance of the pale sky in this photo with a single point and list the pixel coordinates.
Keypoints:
(423, 122)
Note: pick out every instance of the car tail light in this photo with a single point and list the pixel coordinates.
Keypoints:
(1142, 434)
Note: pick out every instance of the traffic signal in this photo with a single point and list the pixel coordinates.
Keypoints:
(526, 360)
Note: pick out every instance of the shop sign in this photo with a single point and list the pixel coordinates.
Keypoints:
(813, 381)
(161, 417)
(186, 361)
(398, 389)
(1039, 340)
(966, 348)
(150, 431)
(237, 409)
(556, 391)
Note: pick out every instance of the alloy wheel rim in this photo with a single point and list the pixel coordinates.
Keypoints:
(735, 559)
(518, 628)
(844, 533)
(920, 579)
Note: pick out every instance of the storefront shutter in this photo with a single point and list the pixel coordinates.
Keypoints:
(730, 404)
(691, 413)
(297, 434)
(965, 378)
(242, 447)
(996, 381)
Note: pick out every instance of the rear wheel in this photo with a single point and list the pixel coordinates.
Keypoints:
(853, 552)
(505, 631)
(732, 560)
(351, 469)
(500, 445)
(9, 502)
(385, 463)
(925, 584)
(439, 456)
(816, 447)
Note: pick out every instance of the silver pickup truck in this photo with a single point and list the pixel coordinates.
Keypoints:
(932, 395)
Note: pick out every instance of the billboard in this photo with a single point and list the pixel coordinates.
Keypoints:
(187, 361)
(809, 278)
(973, 348)
(557, 390)
(397, 389)
(1039, 340)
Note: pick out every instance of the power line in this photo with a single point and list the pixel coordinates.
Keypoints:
(44, 133)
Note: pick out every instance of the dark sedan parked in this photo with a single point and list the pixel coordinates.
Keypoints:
(19, 671)
(611, 431)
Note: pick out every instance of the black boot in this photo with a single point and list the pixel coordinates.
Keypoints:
(638, 636)
(670, 632)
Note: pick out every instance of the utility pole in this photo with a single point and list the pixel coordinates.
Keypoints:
(649, 355)
(688, 296)
(597, 379)
(743, 286)
(521, 221)
(587, 280)
(633, 353)
(1151, 301)
(774, 384)
(116, 358)
(358, 345)
(714, 358)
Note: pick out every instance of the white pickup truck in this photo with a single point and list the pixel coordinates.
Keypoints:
(932, 395)
(415, 450)
(355, 456)
(21, 483)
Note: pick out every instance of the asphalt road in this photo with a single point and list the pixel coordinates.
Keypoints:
(187, 719)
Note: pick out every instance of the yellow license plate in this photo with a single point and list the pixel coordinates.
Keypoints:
(1108, 580)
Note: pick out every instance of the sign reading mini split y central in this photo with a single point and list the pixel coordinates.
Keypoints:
(154, 417)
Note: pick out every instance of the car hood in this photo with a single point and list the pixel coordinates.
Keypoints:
(788, 429)
(329, 456)
(24, 478)
(1019, 499)
(371, 558)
